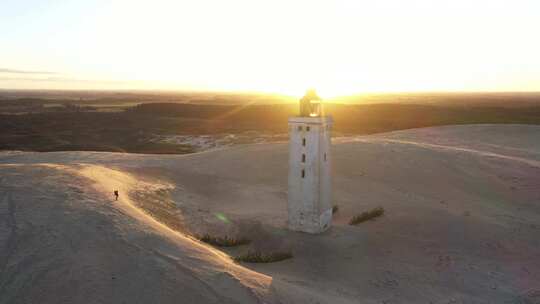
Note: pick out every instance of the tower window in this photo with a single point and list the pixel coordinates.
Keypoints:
(303, 173)
(304, 158)
(303, 141)
(307, 128)
(324, 156)
(299, 128)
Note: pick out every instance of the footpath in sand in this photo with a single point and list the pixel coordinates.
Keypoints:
(461, 224)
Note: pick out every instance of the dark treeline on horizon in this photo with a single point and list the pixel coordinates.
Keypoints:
(132, 130)
(363, 119)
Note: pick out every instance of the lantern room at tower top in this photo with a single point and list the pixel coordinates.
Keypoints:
(311, 105)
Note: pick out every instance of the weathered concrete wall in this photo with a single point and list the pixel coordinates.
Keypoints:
(309, 193)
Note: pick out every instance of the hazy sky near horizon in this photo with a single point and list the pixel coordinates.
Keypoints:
(284, 46)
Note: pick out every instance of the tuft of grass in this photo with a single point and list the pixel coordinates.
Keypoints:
(223, 241)
(335, 209)
(366, 216)
(260, 257)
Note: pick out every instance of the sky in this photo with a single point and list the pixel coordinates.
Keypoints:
(338, 47)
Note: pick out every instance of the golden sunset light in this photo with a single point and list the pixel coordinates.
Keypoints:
(339, 47)
(269, 151)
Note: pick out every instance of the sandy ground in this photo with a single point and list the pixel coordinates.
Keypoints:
(462, 223)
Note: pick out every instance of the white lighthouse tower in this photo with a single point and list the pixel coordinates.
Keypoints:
(310, 188)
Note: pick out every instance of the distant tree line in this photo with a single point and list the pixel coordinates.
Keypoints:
(363, 119)
(135, 129)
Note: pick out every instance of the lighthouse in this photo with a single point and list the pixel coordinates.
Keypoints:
(309, 182)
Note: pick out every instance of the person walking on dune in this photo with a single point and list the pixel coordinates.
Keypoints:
(116, 194)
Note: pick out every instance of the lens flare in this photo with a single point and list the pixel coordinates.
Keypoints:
(220, 216)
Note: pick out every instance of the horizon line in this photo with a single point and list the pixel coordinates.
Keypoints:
(241, 92)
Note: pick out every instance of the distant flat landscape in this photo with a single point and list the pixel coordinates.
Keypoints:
(180, 123)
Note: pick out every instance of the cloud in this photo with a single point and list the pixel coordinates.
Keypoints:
(62, 79)
(15, 71)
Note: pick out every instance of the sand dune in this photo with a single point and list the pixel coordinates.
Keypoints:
(461, 225)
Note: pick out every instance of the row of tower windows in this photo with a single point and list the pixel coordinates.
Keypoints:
(304, 160)
(304, 157)
(300, 128)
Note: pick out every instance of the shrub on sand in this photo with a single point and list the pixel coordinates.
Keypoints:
(223, 241)
(366, 216)
(261, 257)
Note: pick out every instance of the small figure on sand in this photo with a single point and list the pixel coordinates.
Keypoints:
(116, 194)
